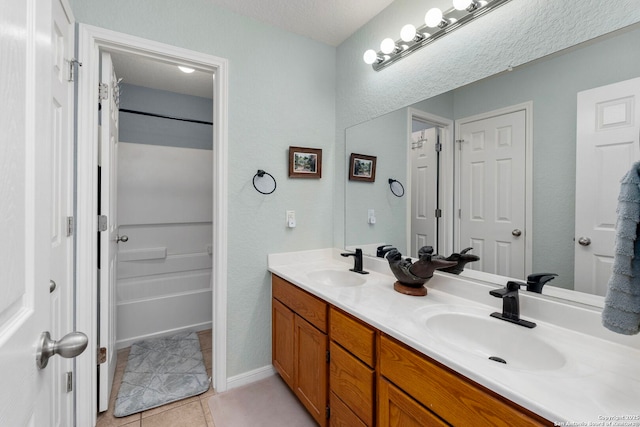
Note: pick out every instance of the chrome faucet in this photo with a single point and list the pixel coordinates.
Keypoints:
(357, 261)
(510, 304)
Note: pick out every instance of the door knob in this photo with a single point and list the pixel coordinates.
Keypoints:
(517, 232)
(123, 238)
(71, 345)
(584, 241)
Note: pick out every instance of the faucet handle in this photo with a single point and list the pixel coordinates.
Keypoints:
(513, 286)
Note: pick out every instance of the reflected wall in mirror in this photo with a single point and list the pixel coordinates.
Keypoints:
(547, 91)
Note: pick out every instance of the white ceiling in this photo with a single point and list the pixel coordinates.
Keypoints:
(142, 71)
(327, 21)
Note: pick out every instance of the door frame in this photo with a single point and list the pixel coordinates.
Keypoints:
(446, 176)
(90, 41)
(527, 107)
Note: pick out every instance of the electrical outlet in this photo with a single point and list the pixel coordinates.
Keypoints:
(291, 219)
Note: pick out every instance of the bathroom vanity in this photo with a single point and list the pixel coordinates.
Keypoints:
(357, 353)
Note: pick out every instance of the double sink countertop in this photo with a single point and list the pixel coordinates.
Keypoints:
(568, 369)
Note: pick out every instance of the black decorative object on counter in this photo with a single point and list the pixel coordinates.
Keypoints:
(412, 276)
(382, 250)
(461, 260)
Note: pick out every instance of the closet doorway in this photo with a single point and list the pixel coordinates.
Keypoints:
(162, 191)
(161, 288)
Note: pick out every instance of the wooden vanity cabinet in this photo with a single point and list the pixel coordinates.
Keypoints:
(372, 379)
(351, 370)
(455, 399)
(300, 345)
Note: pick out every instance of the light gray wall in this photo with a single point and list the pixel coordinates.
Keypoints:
(281, 93)
(513, 34)
(140, 129)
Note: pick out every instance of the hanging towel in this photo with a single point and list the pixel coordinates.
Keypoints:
(621, 311)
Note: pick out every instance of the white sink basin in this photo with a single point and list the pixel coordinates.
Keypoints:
(501, 341)
(337, 278)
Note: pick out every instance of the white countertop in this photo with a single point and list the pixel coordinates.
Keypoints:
(598, 383)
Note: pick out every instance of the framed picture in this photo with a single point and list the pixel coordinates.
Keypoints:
(362, 168)
(305, 162)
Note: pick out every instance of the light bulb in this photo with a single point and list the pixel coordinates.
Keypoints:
(462, 4)
(408, 33)
(186, 69)
(370, 56)
(387, 46)
(433, 17)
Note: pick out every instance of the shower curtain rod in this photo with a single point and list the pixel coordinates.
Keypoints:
(142, 113)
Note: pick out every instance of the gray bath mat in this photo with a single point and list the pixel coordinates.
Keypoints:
(161, 371)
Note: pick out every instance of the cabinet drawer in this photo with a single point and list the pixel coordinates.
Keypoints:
(353, 335)
(341, 416)
(353, 382)
(454, 398)
(396, 409)
(307, 306)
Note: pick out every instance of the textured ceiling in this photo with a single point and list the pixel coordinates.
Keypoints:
(327, 21)
(142, 71)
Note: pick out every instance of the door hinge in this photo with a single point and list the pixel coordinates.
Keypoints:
(69, 226)
(102, 355)
(327, 412)
(73, 64)
(69, 376)
(103, 91)
(102, 223)
(459, 213)
(438, 213)
(328, 356)
(438, 147)
(459, 141)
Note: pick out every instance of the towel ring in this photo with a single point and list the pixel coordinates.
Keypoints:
(396, 187)
(264, 182)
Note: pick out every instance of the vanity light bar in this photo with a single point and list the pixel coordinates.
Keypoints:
(424, 35)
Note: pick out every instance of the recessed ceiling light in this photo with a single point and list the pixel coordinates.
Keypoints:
(186, 69)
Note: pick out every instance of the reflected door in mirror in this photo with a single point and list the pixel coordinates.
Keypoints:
(608, 133)
(492, 192)
(424, 181)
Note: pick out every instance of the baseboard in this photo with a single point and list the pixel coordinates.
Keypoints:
(191, 328)
(250, 377)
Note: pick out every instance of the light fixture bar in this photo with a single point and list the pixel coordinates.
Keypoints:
(454, 18)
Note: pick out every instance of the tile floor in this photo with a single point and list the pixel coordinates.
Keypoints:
(191, 412)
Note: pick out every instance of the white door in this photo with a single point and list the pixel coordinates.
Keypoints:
(492, 193)
(25, 209)
(423, 189)
(61, 296)
(607, 144)
(108, 238)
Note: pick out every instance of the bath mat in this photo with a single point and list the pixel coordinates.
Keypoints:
(161, 371)
(265, 403)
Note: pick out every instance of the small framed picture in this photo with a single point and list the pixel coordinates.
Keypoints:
(362, 168)
(305, 162)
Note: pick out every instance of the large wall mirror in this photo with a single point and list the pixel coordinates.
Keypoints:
(523, 166)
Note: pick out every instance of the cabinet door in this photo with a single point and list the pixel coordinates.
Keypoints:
(311, 369)
(396, 409)
(282, 337)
